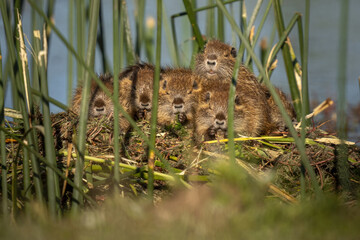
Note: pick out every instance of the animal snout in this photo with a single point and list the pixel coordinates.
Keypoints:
(220, 120)
(178, 104)
(144, 101)
(99, 106)
(211, 60)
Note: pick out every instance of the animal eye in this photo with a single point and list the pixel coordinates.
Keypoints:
(167, 93)
(226, 55)
(189, 92)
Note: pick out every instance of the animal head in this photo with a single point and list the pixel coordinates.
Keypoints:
(216, 61)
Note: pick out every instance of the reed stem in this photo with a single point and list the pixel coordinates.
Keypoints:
(155, 98)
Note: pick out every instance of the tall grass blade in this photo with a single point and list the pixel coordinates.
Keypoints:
(81, 140)
(130, 53)
(220, 26)
(342, 151)
(154, 108)
(287, 59)
(53, 189)
(26, 79)
(193, 22)
(4, 189)
(116, 57)
(16, 85)
(80, 36)
(277, 100)
(70, 57)
(139, 23)
(169, 40)
(210, 21)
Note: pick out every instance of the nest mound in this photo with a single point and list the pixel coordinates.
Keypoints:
(277, 155)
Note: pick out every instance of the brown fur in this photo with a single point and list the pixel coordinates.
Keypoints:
(250, 114)
(177, 96)
(99, 104)
(275, 115)
(216, 63)
(137, 88)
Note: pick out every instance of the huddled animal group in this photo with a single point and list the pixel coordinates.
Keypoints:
(197, 99)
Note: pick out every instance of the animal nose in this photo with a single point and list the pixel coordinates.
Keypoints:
(220, 120)
(99, 106)
(145, 104)
(211, 62)
(220, 123)
(178, 103)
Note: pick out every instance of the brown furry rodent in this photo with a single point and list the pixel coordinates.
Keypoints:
(251, 116)
(275, 115)
(216, 63)
(177, 96)
(136, 84)
(99, 103)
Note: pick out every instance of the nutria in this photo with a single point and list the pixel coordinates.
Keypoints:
(177, 96)
(216, 63)
(275, 115)
(251, 117)
(99, 103)
(136, 85)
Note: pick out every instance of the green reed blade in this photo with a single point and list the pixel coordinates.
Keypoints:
(70, 57)
(53, 189)
(289, 67)
(304, 52)
(130, 53)
(84, 106)
(139, 23)
(169, 40)
(35, 24)
(154, 108)
(220, 26)
(44, 161)
(80, 36)
(210, 21)
(16, 85)
(282, 39)
(116, 67)
(276, 98)
(194, 25)
(342, 150)
(258, 31)
(4, 192)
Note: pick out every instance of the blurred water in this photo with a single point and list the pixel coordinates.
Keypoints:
(323, 47)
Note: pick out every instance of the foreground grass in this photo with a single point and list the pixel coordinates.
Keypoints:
(233, 206)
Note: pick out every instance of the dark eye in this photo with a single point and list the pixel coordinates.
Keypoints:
(233, 52)
(167, 93)
(189, 92)
(226, 55)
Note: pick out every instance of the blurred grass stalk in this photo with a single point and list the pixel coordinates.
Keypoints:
(70, 57)
(342, 151)
(153, 121)
(84, 106)
(4, 189)
(116, 66)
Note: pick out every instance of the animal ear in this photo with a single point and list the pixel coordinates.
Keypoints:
(237, 100)
(207, 97)
(164, 84)
(233, 52)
